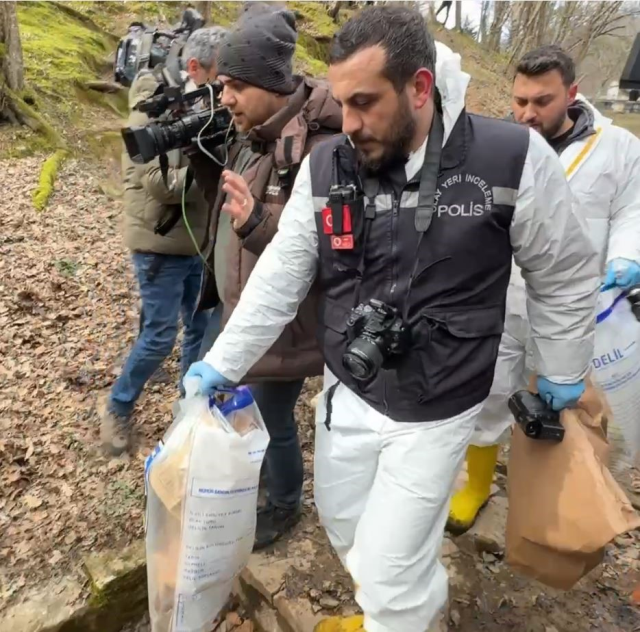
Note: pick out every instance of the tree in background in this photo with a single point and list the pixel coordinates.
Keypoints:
(459, 15)
(591, 31)
(204, 9)
(10, 47)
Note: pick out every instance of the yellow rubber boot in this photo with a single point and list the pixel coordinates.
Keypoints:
(467, 503)
(341, 624)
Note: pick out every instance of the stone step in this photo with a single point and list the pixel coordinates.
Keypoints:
(117, 595)
(488, 533)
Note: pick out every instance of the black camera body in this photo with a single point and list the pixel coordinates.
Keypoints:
(177, 125)
(376, 332)
(537, 420)
(633, 296)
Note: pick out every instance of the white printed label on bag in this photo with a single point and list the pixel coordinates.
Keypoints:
(206, 489)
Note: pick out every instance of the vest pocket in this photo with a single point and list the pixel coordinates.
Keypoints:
(457, 349)
(332, 327)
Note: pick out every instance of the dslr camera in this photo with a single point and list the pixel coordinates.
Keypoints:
(376, 333)
(177, 124)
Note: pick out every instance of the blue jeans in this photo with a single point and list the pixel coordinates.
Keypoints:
(169, 287)
(283, 460)
(276, 400)
(212, 331)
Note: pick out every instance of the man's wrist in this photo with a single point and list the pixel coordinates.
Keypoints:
(255, 217)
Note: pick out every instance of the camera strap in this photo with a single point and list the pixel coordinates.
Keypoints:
(329, 404)
(170, 219)
(426, 194)
(371, 192)
(164, 168)
(429, 176)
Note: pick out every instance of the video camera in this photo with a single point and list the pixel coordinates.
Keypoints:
(147, 47)
(535, 417)
(174, 131)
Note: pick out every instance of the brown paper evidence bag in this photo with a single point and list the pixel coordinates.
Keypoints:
(564, 505)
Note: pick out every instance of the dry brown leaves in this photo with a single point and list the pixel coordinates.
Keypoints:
(68, 314)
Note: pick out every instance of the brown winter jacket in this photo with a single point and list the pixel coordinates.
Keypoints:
(147, 199)
(310, 116)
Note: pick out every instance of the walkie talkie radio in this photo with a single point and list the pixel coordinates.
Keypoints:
(537, 419)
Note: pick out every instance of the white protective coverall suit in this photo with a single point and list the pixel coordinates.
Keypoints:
(382, 487)
(603, 171)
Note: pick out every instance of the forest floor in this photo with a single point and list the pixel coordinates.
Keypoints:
(68, 314)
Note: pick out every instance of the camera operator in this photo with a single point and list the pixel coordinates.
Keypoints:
(278, 117)
(168, 267)
(413, 221)
(602, 165)
(199, 54)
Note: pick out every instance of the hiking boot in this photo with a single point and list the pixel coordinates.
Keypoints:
(161, 376)
(273, 523)
(115, 433)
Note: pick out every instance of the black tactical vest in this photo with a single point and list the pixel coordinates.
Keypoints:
(461, 268)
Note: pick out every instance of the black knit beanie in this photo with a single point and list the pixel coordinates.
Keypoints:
(259, 49)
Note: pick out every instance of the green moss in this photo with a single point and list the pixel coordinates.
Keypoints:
(60, 53)
(305, 64)
(312, 55)
(35, 120)
(314, 18)
(48, 175)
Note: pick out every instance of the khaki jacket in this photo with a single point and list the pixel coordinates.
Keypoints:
(148, 200)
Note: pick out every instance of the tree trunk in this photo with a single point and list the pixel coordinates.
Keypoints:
(500, 14)
(334, 10)
(12, 63)
(484, 20)
(204, 8)
(458, 15)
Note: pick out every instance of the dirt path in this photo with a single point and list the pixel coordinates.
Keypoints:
(68, 313)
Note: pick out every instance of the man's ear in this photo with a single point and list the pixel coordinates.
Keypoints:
(423, 84)
(573, 92)
(192, 65)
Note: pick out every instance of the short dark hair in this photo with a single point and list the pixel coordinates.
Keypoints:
(545, 59)
(399, 30)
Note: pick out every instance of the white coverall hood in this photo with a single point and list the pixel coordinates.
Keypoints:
(452, 84)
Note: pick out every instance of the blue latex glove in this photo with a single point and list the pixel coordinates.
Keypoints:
(560, 396)
(621, 273)
(210, 379)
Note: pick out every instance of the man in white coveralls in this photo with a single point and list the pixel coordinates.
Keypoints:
(602, 165)
(408, 224)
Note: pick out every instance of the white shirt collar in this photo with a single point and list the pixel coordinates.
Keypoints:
(415, 160)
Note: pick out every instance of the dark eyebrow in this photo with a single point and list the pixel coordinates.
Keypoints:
(536, 98)
(360, 95)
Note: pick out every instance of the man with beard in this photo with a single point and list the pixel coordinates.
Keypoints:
(602, 165)
(413, 217)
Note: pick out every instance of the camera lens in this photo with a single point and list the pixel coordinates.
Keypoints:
(362, 359)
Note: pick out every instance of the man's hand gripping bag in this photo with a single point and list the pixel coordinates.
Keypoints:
(202, 489)
(564, 505)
